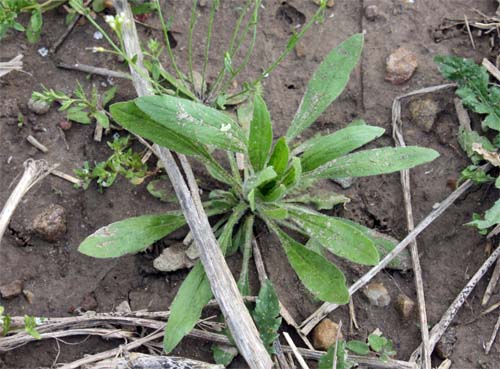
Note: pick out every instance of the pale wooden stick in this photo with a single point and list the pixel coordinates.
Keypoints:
(397, 134)
(326, 308)
(492, 284)
(493, 336)
(469, 31)
(438, 330)
(352, 315)
(221, 280)
(32, 140)
(66, 177)
(142, 361)
(34, 171)
(296, 352)
(462, 115)
(89, 69)
(15, 63)
(98, 132)
(445, 364)
(334, 366)
(491, 68)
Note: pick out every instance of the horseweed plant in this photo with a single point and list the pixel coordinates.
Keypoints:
(270, 188)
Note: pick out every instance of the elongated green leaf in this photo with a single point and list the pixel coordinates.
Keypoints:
(187, 307)
(260, 179)
(491, 218)
(279, 157)
(130, 235)
(321, 200)
(246, 247)
(267, 315)
(275, 194)
(197, 121)
(318, 275)
(293, 174)
(326, 360)
(384, 244)
(358, 347)
(322, 149)
(327, 83)
(376, 161)
(340, 238)
(130, 117)
(260, 136)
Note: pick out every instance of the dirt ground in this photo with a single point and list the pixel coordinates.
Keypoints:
(63, 280)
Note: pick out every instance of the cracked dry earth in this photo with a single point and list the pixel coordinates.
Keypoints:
(63, 281)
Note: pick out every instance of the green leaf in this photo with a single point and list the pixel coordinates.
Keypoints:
(243, 281)
(323, 279)
(491, 218)
(78, 115)
(321, 200)
(327, 83)
(130, 235)
(376, 342)
(197, 121)
(34, 26)
(108, 95)
(358, 347)
(275, 194)
(30, 324)
(260, 136)
(279, 157)
(322, 149)
(222, 355)
(101, 118)
(266, 315)
(467, 138)
(130, 117)
(187, 307)
(162, 190)
(376, 161)
(259, 179)
(326, 360)
(251, 199)
(274, 212)
(293, 174)
(226, 237)
(98, 5)
(338, 237)
(245, 114)
(384, 244)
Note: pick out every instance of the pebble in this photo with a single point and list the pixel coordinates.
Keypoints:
(377, 294)
(424, 112)
(65, 125)
(325, 334)
(50, 224)
(123, 307)
(405, 306)
(173, 258)
(371, 12)
(38, 107)
(12, 289)
(444, 347)
(43, 51)
(400, 66)
(300, 50)
(30, 296)
(98, 35)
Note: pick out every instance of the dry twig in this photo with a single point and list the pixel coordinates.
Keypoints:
(488, 346)
(295, 351)
(491, 284)
(15, 63)
(94, 70)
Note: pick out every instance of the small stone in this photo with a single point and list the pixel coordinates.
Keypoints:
(12, 289)
(424, 112)
(30, 296)
(123, 307)
(400, 66)
(329, 3)
(345, 183)
(377, 294)
(371, 13)
(89, 302)
(325, 334)
(43, 52)
(98, 35)
(38, 106)
(173, 258)
(300, 50)
(51, 223)
(65, 125)
(405, 306)
(444, 347)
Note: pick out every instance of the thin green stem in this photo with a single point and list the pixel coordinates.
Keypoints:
(167, 43)
(192, 23)
(213, 8)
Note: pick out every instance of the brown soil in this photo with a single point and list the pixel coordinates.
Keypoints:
(61, 278)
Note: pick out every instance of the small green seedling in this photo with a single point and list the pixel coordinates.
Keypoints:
(376, 343)
(5, 321)
(268, 189)
(483, 98)
(124, 161)
(30, 324)
(80, 108)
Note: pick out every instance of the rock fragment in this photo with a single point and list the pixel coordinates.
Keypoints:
(12, 289)
(400, 66)
(377, 294)
(30, 296)
(325, 334)
(424, 112)
(173, 258)
(405, 306)
(38, 106)
(50, 224)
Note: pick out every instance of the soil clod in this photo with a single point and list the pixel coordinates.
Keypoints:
(372, 13)
(38, 107)
(405, 306)
(377, 294)
(325, 334)
(51, 223)
(12, 289)
(424, 112)
(400, 66)
(173, 258)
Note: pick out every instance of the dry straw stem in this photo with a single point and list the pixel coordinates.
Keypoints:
(488, 346)
(221, 280)
(142, 361)
(15, 63)
(34, 171)
(296, 352)
(33, 141)
(491, 68)
(438, 330)
(89, 69)
(491, 284)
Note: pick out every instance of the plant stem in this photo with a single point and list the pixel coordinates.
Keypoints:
(192, 22)
(247, 253)
(167, 43)
(215, 4)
